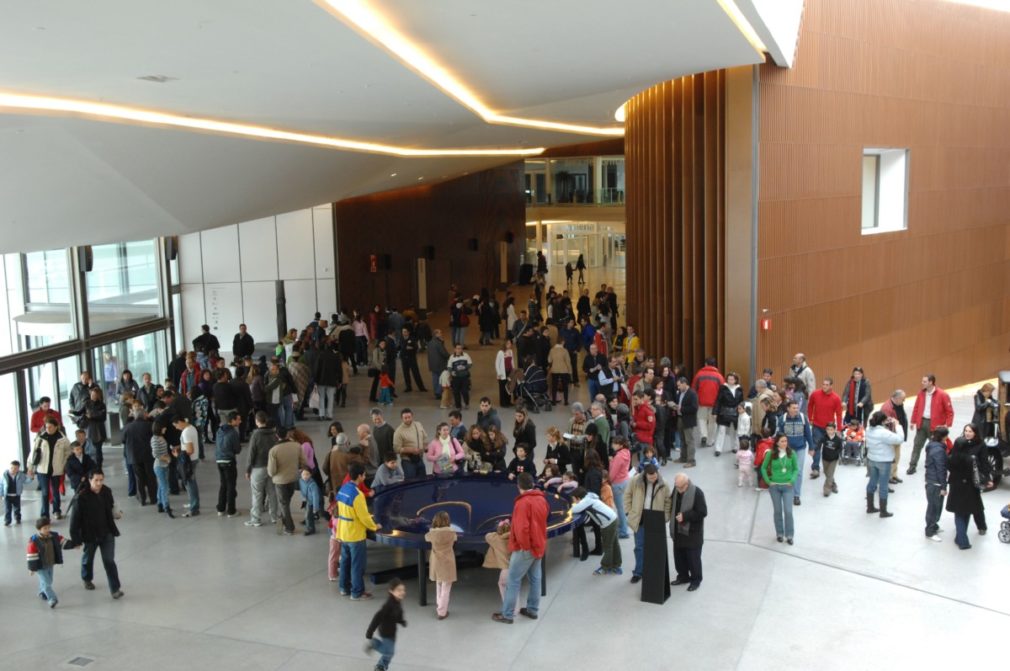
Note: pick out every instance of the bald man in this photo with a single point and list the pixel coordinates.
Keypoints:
(687, 527)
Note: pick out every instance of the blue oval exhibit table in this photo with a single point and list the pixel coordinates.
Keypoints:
(475, 505)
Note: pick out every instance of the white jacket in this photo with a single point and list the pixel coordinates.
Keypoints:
(880, 442)
(499, 364)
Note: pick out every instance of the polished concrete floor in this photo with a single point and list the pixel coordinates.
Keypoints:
(855, 592)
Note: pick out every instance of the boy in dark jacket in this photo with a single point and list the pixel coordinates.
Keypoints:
(936, 480)
(385, 621)
(830, 449)
(44, 552)
(521, 464)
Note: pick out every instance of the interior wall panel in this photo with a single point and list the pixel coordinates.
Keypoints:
(927, 75)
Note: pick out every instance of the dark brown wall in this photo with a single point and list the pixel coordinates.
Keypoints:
(931, 76)
(674, 160)
(612, 147)
(485, 205)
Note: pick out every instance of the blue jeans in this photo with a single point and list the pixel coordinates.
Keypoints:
(435, 386)
(880, 473)
(385, 647)
(934, 507)
(801, 459)
(961, 530)
(161, 473)
(639, 549)
(818, 435)
(286, 413)
(522, 563)
(46, 583)
(412, 470)
(594, 386)
(622, 519)
(191, 487)
(47, 482)
(107, 546)
(352, 567)
(782, 505)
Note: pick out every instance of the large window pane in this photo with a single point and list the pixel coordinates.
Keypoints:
(68, 372)
(10, 421)
(123, 285)
(35, 301)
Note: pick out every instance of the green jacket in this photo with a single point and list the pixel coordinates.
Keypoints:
(779, 471)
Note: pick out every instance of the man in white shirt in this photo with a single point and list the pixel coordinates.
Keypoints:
(188, 455)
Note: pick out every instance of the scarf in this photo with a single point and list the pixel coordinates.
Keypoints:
(686, 505)
(852, 397)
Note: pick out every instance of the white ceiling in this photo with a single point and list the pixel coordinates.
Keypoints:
(289, 64)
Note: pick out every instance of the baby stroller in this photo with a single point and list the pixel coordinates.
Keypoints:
(1004, 527)
(532, 389)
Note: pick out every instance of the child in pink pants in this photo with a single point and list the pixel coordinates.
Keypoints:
(442, 565)
(498, 553)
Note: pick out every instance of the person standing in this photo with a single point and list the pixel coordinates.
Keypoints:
(592, 365)
(438, 360)
(936, 480)
(92, 421)
(965, 499)
(779, 469)
(560, 365)
(206, 343)
(824, 407)
(409, 443)
(285, 462)
(730, 398)
(459, 365)
(504, 364)
(408, 359)
(932, 410)
(857, 397)
(706, 383)
(47, 461)
(687, 422)
(243, 344)
(94, 523)
(881, 439)
(260, 484)
(328, 374)
(688, 531)
(795, 427)
(647, 491)
(188, 457)
(226, 448)
(353, 523)
(803, 372)
(38, 418)
(895, 407)
(527, 542)
(137, 441)
(80, 393)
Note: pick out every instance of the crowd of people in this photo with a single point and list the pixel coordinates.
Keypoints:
(640, 414)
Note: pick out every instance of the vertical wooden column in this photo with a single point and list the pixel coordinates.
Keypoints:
(675, 176)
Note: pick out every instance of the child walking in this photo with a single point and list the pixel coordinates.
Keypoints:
(745, 462)
(605, 517)
(309, 490)
(831, 451)
(384, 621)
(498, 553)
(45, 552)
(442, 565)
(385, 388)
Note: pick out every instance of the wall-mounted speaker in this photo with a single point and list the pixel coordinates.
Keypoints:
(471, 244)
(85, 258)
(510, 237)
(385, 262)
(428, 252)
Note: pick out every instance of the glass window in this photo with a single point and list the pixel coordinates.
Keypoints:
(10, 421)
(885, 190)
(123, 285)
(68, 373)
(139, 355)
(35, 301)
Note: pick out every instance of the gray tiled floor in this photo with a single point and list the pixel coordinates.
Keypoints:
(854, 592)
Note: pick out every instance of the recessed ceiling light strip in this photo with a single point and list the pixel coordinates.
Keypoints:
(369, 22)
(12, 102)
(743, 25)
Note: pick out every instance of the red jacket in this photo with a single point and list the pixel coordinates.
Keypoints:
(645, 423)
(824, 408)
(941, 411)
(707, 382)
(529, 523)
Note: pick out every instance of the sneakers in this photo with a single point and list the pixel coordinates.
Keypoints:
(498, 617)
(234, 514)
(251, 523)
(364, 596)
(934, 537)
(52, 604)
(636, 579)
(220, 513)
(617, 571)
(118, 594)
(796, 500)
(526, 612)
(814, 475)
(910, 471)
(88, 585)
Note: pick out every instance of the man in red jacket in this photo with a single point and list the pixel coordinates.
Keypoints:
(527, 542)
(823, 407)
(932, 410)
(706, 384)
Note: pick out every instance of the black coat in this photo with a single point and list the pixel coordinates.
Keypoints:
(243, 345)
(963, 497)
(328, 372)
(94, 520)
(688, 414)
(137, 439)
(526, 434)
(696, 536)
(725, 405)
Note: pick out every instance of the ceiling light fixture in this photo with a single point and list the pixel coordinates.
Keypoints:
(15, 102)
(369, 22)
(743, 25)
(622, 112)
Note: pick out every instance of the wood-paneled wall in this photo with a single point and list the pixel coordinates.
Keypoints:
(674, 161)
(487, 206)
(927, 75)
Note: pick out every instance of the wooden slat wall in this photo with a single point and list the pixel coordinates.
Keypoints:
(928, 75)
(674, 162)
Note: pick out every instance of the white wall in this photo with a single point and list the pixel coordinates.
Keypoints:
(229, 274)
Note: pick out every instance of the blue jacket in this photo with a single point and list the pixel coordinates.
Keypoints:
(936, 464)
(797, 430)
(226, 444)
(310, 492)
(572, 339)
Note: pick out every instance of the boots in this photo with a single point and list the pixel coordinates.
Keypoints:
(597, 541)
(168, 511)
(883, 509)
(869, 505)
(580, 546)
